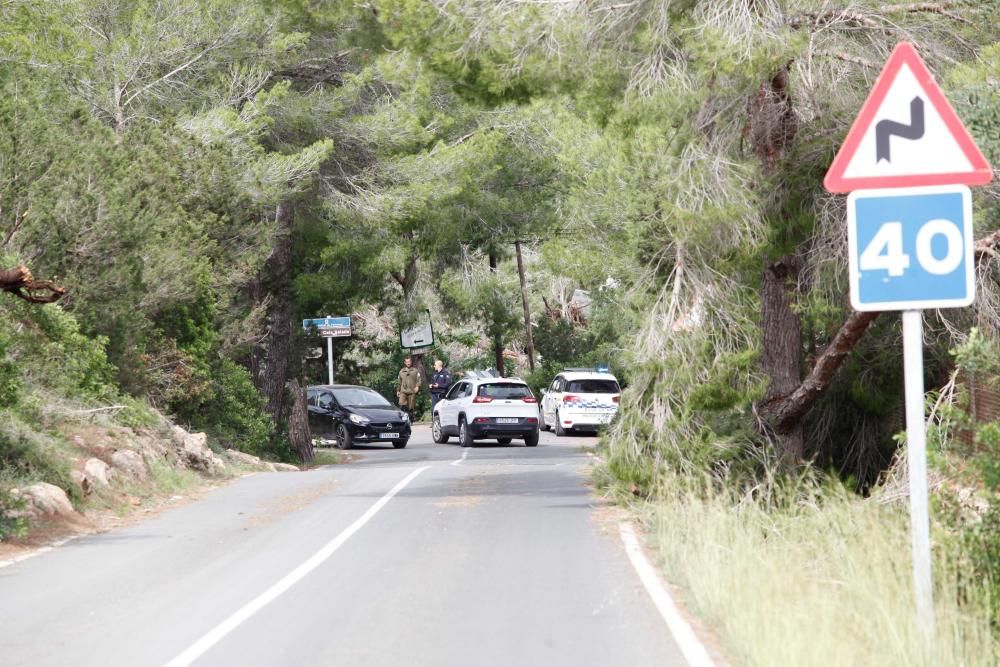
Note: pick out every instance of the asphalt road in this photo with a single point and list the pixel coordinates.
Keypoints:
(432, 555)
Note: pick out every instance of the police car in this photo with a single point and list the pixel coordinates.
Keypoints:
(580, 399)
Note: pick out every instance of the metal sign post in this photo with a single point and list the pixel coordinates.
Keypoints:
(910, 242)
(329, 328)
(916, 451)
(329, 359)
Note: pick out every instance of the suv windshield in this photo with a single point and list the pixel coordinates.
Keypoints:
(504, 390)
(361, 398)
(593, 387)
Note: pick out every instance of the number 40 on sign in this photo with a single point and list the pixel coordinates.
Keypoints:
(911, 248)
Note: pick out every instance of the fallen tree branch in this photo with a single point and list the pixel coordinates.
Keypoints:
(106, 408)
(846, 57)
(986, 245)
(864, 19)
(19, 282)
(18, 221)
(787, 412)
(794, 407)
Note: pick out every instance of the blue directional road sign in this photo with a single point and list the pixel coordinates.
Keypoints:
(911, 248)
(326, 322)
(335, 327)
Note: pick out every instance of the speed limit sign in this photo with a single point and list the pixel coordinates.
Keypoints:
(911, 248)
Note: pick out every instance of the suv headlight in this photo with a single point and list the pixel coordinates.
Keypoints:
(358, 419)
(406, 417)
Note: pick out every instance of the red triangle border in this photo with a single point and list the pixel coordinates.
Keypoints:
(906, 54)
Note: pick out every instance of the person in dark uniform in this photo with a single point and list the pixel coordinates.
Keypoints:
(439, 383)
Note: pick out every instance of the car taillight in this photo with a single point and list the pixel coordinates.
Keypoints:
(481, 420)
(615, 398)
(529, 399)
(482, 399)
(569, 398)
(531, 420)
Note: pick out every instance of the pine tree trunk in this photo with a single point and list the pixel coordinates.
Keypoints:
(780, 354)
(279, 337)
(299, 436)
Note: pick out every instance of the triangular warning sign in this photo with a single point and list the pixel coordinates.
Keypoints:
(906, 135)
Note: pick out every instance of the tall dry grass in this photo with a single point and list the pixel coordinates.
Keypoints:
(818, 581)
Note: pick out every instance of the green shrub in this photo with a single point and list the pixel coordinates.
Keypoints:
(51, 351)
(232, 411)
(11, 526)
(29, 455)
(10, 376)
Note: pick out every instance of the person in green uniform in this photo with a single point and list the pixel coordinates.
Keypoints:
(409, 385)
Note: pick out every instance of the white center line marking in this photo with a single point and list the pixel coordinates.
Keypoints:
(216, 634)
(692, 648)
(458, 461)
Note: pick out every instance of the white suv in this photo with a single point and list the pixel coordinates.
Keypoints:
(477, 408)
(580, 398)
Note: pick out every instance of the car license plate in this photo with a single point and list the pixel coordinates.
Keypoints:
(390, 435)
(506, 420)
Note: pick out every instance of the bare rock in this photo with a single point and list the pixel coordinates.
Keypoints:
(97, 471)
(242, 457)
(179, 434)
(46, 499)
(151, 447)
(198, 456)
(131, 463)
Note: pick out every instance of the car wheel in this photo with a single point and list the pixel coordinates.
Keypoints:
(464, 437)
(504, 441)
(560, 431)
(343, 437)
(531, 440)
(541, 420)
(437, 433)
(400, 444)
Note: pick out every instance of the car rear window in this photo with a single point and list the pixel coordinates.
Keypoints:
(593, 387)
(504, 390)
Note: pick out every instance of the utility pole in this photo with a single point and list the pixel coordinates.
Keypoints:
(497, 342)
(524, 303)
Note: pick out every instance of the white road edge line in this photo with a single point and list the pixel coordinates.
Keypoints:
(38, 552)
(216, 634)
(694, 651)
(457, 461)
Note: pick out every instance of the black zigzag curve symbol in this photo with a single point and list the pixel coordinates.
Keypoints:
(885, 129)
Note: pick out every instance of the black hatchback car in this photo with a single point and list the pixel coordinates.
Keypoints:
(352, 414)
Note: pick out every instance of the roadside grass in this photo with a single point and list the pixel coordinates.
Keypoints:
(164, 481)
(326, 457)
(171, 479)
(28, 455)
(820, 579)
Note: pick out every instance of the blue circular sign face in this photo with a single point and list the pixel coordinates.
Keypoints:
(911, 248)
